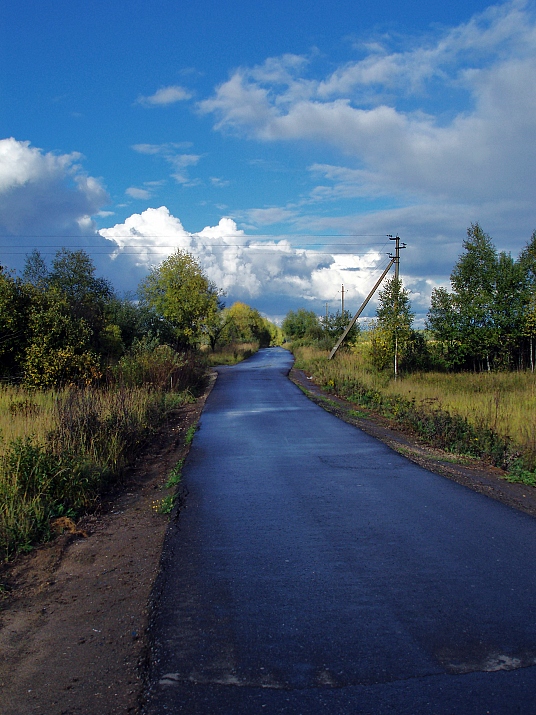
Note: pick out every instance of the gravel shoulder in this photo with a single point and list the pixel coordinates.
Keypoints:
(73, 623)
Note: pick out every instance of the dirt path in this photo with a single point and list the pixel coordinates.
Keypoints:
(73, 626)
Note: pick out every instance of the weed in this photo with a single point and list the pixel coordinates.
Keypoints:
(164, 505)
(175, 475)
(478, 415)
(190, 434)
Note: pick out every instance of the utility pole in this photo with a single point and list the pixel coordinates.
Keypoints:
(395, 261)
(327, 306)
(342, 300)
(361, 309)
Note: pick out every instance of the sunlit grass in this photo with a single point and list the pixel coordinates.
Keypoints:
(59, 450)
(504, 402)
(24, 413)
(230, 354)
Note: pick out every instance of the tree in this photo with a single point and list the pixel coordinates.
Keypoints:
(15, 310)
(179, 292)
(245, 324)
(473, 282)
(301, 324)
(443, 323)
(59, 350)
(334, 325)
(393, 330)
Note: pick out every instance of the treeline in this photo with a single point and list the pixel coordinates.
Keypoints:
(89, 377)
(488, 318)
(486, 321)
(62, 325)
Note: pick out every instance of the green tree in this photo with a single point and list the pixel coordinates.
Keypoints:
(473, 282)
(180, 293)
(245, 325)
(392, 333)
(443, 323)
(60, 346)
(301, 324)
(334, 325)
(15, 310)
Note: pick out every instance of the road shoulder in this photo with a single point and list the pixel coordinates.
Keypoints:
(471, 473)
(73, 624)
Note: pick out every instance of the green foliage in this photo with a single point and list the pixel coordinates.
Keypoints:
(302, 324)
(15, 309)
(334, 325)
(175, 475)
(485, 321)
(190, 434)
(60, 345)
(148, 363)
(392, 337)
(180, 293)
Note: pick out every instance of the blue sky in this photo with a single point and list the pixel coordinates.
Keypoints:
(278, 142)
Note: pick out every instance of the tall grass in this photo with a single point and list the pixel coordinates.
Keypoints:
(60, 450)
(489, 415)
(230, 354)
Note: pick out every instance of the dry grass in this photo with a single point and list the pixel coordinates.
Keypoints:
(231, 354)
(504, 402)
(59, 450)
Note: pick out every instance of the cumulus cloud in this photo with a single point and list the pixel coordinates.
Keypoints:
(387, 113)
(164, 96)
(45, 194)
(246, 268)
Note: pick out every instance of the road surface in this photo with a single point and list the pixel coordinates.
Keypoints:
(314, 570)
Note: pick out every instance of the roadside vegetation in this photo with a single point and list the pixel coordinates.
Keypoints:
(88, 377)
(467, 383)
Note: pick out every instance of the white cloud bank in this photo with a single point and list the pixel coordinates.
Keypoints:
(271, 272)
(378, 111)
(45, 193)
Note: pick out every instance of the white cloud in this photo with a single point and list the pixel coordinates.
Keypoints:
(170, 153)
(165, 96)
(388, 111)
(44, 193)
(135, 193)
(245, 267)
(269, 216)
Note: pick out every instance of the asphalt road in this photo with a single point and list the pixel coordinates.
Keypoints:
(314, 570)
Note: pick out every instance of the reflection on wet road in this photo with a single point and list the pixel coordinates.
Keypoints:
(314, 570)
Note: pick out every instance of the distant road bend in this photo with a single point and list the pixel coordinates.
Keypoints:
(314, 570)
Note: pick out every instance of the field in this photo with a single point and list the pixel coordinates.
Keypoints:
(498, 408)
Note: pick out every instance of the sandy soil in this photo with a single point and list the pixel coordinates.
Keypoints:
(73, 627)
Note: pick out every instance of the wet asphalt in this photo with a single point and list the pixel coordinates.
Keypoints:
(314, 570)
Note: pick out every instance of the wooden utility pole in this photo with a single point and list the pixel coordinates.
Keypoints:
(342, 300)
(356, 316)
(395, 261)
